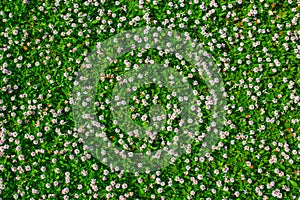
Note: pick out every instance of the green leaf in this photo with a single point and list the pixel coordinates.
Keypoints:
(294, 183)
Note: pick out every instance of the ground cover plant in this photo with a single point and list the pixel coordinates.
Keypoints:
(255, 44)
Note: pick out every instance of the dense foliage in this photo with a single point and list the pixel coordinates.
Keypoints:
(255, 44)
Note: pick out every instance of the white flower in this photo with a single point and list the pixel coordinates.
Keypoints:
(15, 32)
